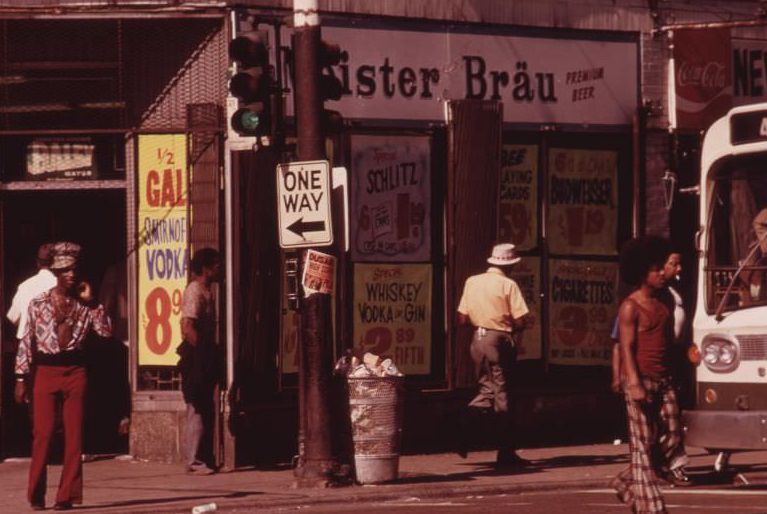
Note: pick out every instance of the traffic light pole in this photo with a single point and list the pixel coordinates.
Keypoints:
(316, 465)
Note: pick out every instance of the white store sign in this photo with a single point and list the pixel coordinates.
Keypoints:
(409, 75)
(303, 198)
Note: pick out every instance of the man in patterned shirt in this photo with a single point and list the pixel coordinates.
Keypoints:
(59, 320)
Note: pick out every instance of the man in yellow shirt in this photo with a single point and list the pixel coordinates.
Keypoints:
(493, 303)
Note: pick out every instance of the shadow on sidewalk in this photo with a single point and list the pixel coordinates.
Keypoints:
(570, 461)
(482, 470)
(174, 499)
(741, 476)
(488, 469)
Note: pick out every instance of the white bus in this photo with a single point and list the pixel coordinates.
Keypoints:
(730, 323)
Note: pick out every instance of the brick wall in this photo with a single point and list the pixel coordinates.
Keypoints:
(656, 216)
(654, 87)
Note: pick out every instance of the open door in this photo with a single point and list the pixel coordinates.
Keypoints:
(474, 150)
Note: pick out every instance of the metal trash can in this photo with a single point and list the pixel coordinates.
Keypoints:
(376, 406)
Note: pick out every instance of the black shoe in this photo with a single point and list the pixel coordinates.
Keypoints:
(510, 460)
(62, 506)
(677, 477)
(463, 428)
(462, 442)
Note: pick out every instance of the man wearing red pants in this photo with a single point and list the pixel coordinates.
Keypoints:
(59, 320)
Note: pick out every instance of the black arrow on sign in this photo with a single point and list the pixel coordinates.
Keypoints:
(298, 227)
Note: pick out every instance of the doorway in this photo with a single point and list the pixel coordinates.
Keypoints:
(95, 219)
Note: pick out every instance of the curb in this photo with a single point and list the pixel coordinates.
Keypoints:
(357, 494)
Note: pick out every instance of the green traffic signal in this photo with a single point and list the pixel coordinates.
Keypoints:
(247, 122)
(253, 85)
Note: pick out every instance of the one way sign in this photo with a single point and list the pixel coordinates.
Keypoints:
(303, 197)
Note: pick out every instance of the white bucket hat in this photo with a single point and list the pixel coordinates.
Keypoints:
(504, 255)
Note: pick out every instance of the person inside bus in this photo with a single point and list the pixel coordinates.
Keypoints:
(646, 337)
(754, 279)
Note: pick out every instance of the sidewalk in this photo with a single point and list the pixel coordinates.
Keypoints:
(123, 485)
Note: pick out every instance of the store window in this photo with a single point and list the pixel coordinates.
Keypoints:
(565, 201)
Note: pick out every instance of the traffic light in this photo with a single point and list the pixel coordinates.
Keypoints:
(331, 88)
(252, 85)
(332, 121)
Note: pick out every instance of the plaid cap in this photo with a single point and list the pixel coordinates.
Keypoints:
(65, 255)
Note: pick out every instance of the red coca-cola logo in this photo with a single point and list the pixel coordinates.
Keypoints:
(710, 76)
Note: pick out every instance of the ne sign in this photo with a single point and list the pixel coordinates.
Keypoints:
(303, 198)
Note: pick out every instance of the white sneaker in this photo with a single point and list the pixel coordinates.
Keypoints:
(722, 462)
(199, 468)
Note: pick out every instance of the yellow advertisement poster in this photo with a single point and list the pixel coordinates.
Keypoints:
(163, 253)
(583, 202)
(518, 196)
(527, 275)
(583, 309)
(392, 314)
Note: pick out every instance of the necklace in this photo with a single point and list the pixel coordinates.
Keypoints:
(63, 309)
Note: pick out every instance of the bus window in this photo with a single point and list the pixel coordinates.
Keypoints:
(737, 250)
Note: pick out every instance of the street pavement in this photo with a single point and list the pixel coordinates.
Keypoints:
(567, 479)
(678, 501)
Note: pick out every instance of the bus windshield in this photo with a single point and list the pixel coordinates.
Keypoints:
(736, 272)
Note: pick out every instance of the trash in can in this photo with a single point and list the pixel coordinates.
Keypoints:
(376, 402)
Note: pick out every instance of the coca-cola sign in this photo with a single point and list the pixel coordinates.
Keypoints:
(703, 76)
(710, 77)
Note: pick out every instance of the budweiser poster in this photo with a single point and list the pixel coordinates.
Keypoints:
(583, 202)
(702, 77)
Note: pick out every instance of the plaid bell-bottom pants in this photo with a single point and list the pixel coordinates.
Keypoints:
(655, 443)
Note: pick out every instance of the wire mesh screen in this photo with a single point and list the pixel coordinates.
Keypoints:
(53, 76)
(201, 79)
(109, 73)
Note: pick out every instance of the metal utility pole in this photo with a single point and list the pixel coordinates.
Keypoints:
(316, 465)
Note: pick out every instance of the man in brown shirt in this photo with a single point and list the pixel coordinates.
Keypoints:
(199, 364)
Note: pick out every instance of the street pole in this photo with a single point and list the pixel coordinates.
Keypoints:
(316, 465)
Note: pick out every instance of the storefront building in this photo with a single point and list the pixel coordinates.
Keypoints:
(546, 127)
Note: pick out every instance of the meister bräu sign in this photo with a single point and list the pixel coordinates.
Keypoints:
(410, 73)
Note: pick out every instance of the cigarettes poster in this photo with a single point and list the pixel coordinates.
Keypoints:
(583, 202)
(392, 313)
(527, 275)
(583, 301)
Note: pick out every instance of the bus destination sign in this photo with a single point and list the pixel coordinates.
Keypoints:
(748, 127)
